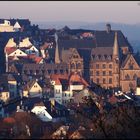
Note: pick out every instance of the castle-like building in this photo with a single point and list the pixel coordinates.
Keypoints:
(112, 63)
(102, 57)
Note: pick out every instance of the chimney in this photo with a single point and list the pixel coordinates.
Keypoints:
(108, 28)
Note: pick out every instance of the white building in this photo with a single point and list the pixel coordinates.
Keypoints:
(6, 27)
(25, 43)
(17, 53)
(42, 113)
(65, 86)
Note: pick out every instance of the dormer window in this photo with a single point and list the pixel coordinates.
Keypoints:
(131, 66)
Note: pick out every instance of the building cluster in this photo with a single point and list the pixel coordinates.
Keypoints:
(47, 70)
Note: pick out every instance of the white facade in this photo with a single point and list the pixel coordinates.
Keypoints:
(18, 52)
(41, 112)
(76, 87)
(138, 91)
(17, 26)
(58, 93)
(35, 90)
(63, 97)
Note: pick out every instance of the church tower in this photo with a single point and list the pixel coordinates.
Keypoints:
(57, 58)
(116, 62)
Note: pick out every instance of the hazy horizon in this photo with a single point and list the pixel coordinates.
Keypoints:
(78, 11)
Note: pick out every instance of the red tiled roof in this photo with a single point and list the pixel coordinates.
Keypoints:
(10, 50)
(37, 59)
(57, 77)
(75, 77)
(87, 34)
(72, 78)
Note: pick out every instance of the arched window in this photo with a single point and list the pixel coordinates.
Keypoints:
(78, 66)
(127, 77)
(72, 66)
(135, 77)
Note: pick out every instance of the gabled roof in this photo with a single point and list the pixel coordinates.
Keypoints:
(15, 50)
(17, 25)
(75, 77)
(30, 84)
(126, 59)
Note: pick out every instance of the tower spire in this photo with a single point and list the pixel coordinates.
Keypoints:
(116, 46)
(57, 59)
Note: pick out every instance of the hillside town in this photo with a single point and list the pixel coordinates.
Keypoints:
(67, 83)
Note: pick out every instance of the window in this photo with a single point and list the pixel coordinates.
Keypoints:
(110, 80)
(75, 56)
(131, 66)
(127, 77)
(104, 66)
(97, 73)
(78, 66)
(97, 66)
(91, 73)
(55, 71)
(61, 71)
(104, 73)
(43, 71)
(73, 66)
(110, 66)
(25, 71)
(37, 71)
(104, 80)
(49, 71)
(110, 73)
(97, 80)
(31, 71)
(135, 77)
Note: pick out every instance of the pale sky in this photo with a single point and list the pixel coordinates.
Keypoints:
(85, 11)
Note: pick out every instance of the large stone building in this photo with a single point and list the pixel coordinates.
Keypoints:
(103, 57)
(114, 66)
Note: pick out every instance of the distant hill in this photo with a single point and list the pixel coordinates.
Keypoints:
(131, 31)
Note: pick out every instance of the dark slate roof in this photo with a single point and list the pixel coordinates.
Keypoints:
(76, 43)
(125, 58)
(102, 51)
(104, 39)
